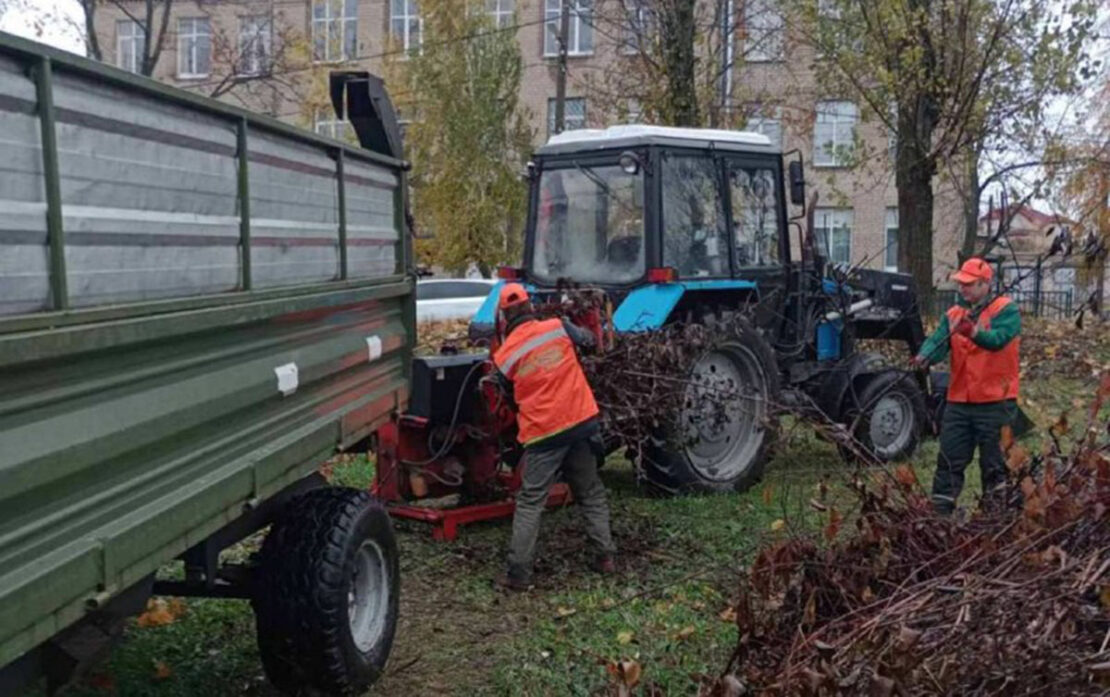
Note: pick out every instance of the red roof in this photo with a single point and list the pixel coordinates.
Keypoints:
(1032, 214)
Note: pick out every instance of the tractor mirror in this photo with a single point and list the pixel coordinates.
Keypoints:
(528, 172)
(797, 184)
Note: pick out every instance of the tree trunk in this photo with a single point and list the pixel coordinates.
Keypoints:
(971, 205)
(677, 34)
(914, 179)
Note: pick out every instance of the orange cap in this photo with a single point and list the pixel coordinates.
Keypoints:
(512, 294)
(974, 269)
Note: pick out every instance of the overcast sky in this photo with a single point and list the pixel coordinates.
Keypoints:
(54, 22)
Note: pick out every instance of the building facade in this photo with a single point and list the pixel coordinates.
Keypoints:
(273, 56)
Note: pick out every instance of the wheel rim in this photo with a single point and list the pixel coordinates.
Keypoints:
(368, 596)
(722, 442)
(891, 425)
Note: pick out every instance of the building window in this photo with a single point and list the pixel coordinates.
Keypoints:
(765, 26)
(405, 24)
(130, 45)
(581, 39)
(334, 30)
(768, 121)
(194, 47)
(890, 251)
(574, 114)
(834, 134)
(325, 124)
(638, 26)
(255, 42)
(501, 12)
(833, 231)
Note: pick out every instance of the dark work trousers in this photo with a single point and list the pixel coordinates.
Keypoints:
(541, 468)
(963, 428)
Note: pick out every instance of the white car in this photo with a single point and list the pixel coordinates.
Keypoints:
(440, 299)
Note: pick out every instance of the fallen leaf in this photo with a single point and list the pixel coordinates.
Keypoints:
(809, 615)
(157, 614)
(625, 637)
(1007, 439)
(728, 614)
(627, 673)
(867, 595)
(768, 494)
(881, 687)
(1061, 427)
(565, 611)
(161, 670)
(778, 524)
(1104, 596)
(101, 681)
(907, 638)
(905, 475)
(1016, 458)
(833, 527)
(685, 632)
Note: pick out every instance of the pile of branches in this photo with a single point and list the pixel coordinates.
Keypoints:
(1014, 600)
(642, 380)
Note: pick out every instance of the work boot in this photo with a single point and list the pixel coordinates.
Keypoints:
(511, 581)
(604, 565)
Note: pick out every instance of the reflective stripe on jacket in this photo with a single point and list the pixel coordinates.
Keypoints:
(549, 386)
(980, 374)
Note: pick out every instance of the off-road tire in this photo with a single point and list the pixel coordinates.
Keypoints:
(667, 469)
(875, 387)
(301, 600)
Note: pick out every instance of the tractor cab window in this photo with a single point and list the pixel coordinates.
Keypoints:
(695, 239)
(589, 226)
(754, 215)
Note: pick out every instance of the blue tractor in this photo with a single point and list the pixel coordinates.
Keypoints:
(695, 225)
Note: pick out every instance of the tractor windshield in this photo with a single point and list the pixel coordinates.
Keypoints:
(589, 226)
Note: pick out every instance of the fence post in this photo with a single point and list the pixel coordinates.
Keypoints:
(1037, 300)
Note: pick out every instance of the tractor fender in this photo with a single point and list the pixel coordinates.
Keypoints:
(833, 396)
(649, 307)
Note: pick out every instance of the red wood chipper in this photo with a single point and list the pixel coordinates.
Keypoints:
(453, 458)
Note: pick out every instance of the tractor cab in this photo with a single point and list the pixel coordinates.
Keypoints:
(634, 209)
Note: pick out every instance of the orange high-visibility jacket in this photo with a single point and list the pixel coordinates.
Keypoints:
(549, 386)
(978, 374)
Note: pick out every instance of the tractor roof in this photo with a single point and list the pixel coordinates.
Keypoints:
(587, 139)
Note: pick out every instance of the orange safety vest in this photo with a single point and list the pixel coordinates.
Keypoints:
(980, 375)
(548, 383)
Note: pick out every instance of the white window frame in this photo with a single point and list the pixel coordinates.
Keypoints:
(341, 15)
(190, 45)
(834, 133)
(581, 24)
(890, 227)
(765, 27)
(135, 36)
(255, 29)
(639, 22)
(834, 220)
(325, 123)
(578, 119)
(766, 120)
(501, 12)
(409, 11)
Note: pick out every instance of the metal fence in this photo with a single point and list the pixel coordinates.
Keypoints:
(1053, 304)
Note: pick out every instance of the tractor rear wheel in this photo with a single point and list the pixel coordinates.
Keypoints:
(327, 596)
(722, 437)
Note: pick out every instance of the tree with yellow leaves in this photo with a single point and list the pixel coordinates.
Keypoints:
(468, 138)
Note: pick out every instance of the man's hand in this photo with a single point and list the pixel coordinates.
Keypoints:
(919, 363)
(966, 327)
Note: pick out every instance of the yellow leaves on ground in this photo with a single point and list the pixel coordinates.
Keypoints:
(778, 524)
(625, 637)
(160, 612)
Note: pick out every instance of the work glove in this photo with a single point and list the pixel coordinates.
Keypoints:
(919, 362)
(965, 327)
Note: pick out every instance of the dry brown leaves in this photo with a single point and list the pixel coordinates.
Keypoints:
(1015, 600)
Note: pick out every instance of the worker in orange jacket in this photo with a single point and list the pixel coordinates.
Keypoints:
(557, 419)
(982, 335)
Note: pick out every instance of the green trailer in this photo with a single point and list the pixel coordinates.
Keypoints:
(198, 306)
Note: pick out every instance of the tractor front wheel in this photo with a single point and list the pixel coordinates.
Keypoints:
(887, 416)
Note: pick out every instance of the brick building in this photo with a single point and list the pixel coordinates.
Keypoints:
(235, 46)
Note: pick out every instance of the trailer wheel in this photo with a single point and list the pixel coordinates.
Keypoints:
(889, 416)
(327, 595)
(708, 450)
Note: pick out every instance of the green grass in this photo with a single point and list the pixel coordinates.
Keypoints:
(458, 636)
